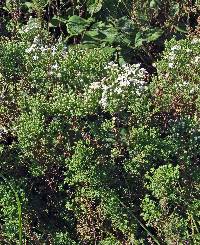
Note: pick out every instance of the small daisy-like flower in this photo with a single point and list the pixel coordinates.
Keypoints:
(53, 49)
(124, 82)
(95, 85)
(105, 87)
(118, 90)
(171, 56)
(36, 40)
(197, 59)
(59, 75)
(103, 102)
(195, 40)
(176, 47)
(55, 66)
(43, 49)
(35, 57)
(29, 50)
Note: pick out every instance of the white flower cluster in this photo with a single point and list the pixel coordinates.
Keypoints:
(196, 60)
(184, 126)
(195, 40)
(3, 132)
(38, 49)
(121, 80)
(172, 55)
(32, 25)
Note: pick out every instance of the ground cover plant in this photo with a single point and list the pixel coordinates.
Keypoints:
(99, 122)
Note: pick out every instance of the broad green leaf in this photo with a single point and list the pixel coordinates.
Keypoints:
(154, 35)
(147, 36)
(138, 40)
(77, 25)
(94, 6)
(154, 3)
(56, 20)
(29, 5)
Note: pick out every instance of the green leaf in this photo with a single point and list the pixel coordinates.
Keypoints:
(111, 34)
(29, 5)
(154, 4)
(77, 25)
(92, 33)
(138, 40)
(154, 35)
(94, 6)
(181, 29)
(56, 20)
(147, 36)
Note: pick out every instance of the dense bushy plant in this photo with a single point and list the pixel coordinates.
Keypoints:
(172, 201)
(97, 152)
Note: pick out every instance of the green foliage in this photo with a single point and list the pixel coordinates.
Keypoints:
(178, 76)
(169, 211)
(11, 211)
(99, 150)
(168, 206)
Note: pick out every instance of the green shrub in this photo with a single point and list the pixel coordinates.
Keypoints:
(102, 154)
(172, 200)
(177, 84)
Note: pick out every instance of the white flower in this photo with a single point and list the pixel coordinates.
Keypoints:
(118, 81)
(36, 40)
(3, 131)
(136, 65)
(171, 56)
(176, 47)
(142, 82)
(31, 49)
(95, 85)
(53, 49)
(192, 91)
(35, 57)
(55, 66)
(124, 82)
(103, 101)
(59, 75)
(197, 59)
(185, 83)
(105, 87)
(143, 71)
(43, 49)
(78, 74)
(28, 50)
(171, 65)
(111, 65)
(118, 90)
(195, 40)
(138, 92)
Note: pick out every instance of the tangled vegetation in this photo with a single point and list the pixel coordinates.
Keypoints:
(99, 122)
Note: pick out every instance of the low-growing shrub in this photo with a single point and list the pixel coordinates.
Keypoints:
(99, 153)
